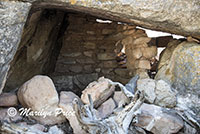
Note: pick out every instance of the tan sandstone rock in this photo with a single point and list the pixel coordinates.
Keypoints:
(39, 94)
(99, 90)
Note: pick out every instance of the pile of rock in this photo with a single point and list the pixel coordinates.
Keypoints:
(102, 99)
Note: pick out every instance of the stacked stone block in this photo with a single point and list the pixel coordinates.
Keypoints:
(89, 50)
(139, 53)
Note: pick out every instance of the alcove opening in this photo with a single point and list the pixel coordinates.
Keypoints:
(73, 48)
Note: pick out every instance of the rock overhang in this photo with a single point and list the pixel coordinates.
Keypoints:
(177, 17)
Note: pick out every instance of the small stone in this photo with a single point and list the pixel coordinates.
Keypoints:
(90, 32)
(142, 73)
(88, 68)
(128, 32)
(107, 31)
(165, 97)
(158, 120)
(127, 40)
(107, 71)
(85, 61)
(149, 52)
(90, 45)
(143, 64)
(76, 68)
(39, 94)
(148, 86)
(106, 56)
(106, 108)
(8, 100)
(62, 68)
(76, 54)
(88, 53)
(66, 60)
(137, 53)
(108, 64)
(98, 70)
(120, 99)
(99, 90)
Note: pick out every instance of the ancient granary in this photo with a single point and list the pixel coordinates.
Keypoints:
(69, 41)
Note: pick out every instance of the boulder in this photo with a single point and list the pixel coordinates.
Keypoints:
(179, 66)
(8, 100)
(148, 86)
(99, 90)
(66, 99)
(158, 120)
(157, 92)
(39, 94)
(164, 94)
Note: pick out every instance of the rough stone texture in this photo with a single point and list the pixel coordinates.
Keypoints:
(66, 99)
(99, 90)
(157, 92)
(106, 108)
(39, 94)
(8, 100)
(179, 66)
(164, 95)
(13, 17)
(180, 17)
(88, 46)
(119, 98)
(35, 49)
(63, 83)
(139, 53)
(142, 64)
(148, 86)
(182, 67)
(82, 80)
(158, 120)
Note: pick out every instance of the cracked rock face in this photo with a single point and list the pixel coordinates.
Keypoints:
(12, 19)
(179, 66)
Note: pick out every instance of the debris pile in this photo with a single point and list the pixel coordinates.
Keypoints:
(142, 106)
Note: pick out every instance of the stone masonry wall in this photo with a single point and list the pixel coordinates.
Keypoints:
(89, 50)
